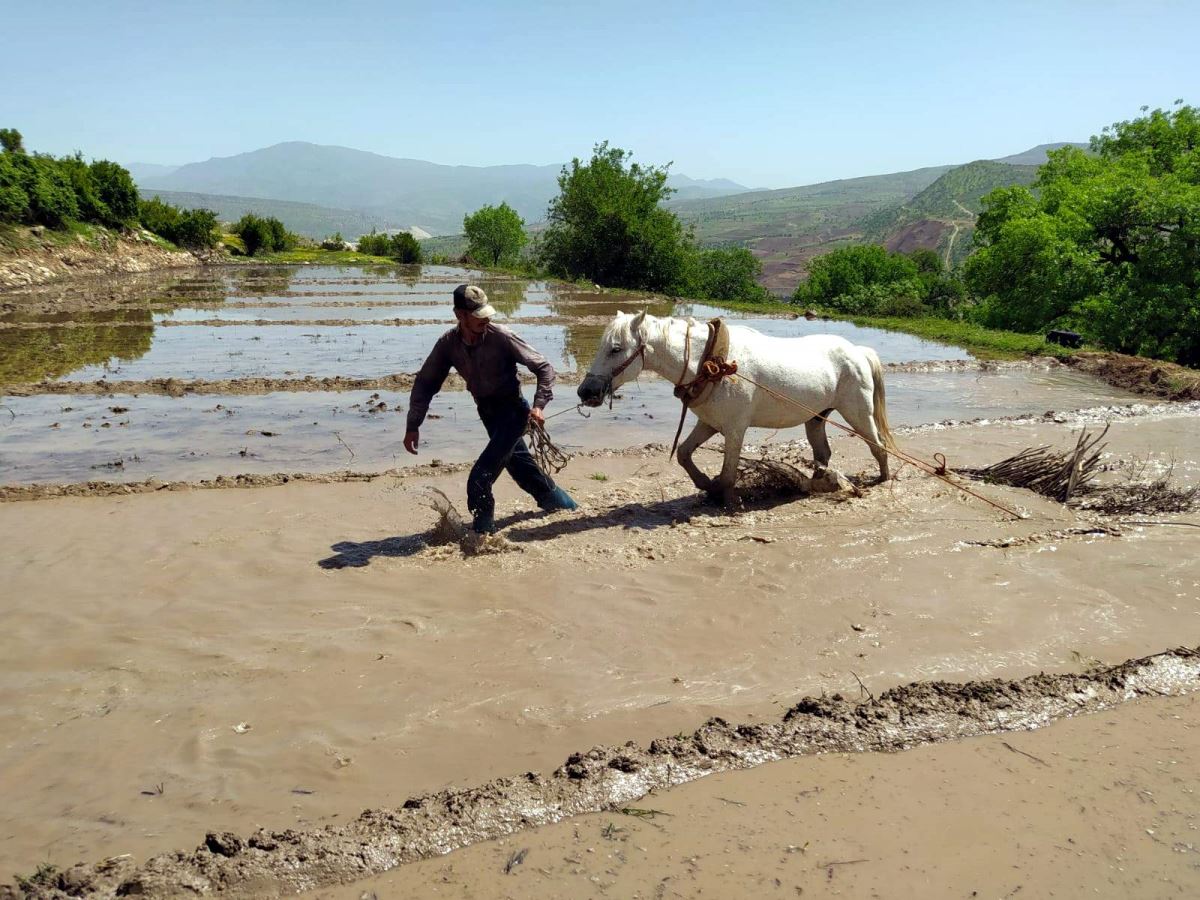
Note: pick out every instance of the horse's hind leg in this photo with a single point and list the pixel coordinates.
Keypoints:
(699, 435)
(819, 441)
(858, 413)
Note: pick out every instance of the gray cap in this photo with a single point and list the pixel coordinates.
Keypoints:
(471, 298)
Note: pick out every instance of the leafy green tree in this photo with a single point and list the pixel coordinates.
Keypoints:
(404, 248)
(51, 197)
(117, 192)
(11, 140)
(847, 270)
(91, 207)
(14, 202)
(1110, 243)
(495, 234)
(725, 274)
(255, 233)
(195, 229)
(606, 224)
(374, 244)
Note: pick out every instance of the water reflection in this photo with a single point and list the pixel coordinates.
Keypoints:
(92, 323)
(35, 354)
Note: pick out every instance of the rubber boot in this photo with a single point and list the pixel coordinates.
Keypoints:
(556, 500)
(484, 523)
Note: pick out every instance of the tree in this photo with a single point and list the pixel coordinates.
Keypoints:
(404, 248)
(495, 234)
(117, 192)
(1110, 243)
(14, 202)
(606, 224)
(846, 271)
(255, 234)
(11, 140)
(725, 274)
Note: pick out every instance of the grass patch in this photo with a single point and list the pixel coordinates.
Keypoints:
(598, 476)
(985, 343)
(324, 257)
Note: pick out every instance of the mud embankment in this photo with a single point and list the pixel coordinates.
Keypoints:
(35, 256)
(274, 863)
(1150, 377)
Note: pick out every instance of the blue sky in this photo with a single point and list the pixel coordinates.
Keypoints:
(768, 94)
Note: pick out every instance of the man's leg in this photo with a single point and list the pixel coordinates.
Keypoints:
(504, 430)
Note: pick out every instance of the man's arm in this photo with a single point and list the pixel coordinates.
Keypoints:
(429, 381)
(539, 366)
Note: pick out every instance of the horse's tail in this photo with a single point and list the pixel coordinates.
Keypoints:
(879, 399)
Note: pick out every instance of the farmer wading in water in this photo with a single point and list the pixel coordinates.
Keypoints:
(486, 356)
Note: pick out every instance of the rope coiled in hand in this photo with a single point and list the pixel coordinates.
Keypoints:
(549, 458)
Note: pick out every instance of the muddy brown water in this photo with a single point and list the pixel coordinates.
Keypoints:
(366, 668)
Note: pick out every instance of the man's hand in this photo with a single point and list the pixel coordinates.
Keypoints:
(537, 415)
(411, 441)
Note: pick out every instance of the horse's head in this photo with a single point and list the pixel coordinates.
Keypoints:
(620, 358)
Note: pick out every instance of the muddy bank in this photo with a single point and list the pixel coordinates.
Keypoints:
(1150, 377)
(275, 863)
(1016, 815)
(34, 258)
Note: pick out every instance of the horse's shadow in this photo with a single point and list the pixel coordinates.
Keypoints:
(632, 516)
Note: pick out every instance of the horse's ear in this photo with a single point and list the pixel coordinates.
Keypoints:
(637, 326)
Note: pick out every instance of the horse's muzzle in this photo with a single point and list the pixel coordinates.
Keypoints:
(593, 390)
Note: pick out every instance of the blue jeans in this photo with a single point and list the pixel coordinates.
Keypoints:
(505, 422)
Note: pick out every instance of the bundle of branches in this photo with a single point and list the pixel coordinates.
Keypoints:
(1141, 496)
(1060, 475)
(761, 480)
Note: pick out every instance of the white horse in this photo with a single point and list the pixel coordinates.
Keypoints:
(820, 373)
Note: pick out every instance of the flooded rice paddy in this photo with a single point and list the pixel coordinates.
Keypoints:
(275, 323)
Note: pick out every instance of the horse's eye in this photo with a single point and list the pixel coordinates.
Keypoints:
(614, 350)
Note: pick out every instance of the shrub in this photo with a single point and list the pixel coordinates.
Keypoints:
(725, 274)
(117, 192)
(495, 234)
(268, 235)
(334, 242)
(190, 228)
(14, 202)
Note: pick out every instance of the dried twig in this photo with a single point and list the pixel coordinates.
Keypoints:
(1036, 759)
(515, 860)
(338, 435)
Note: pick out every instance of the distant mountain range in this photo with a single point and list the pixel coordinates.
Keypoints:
(317, 190)
(403, 191)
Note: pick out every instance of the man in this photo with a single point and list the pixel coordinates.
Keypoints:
(486, 355)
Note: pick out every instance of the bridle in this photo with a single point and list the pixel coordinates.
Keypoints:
(639, 353)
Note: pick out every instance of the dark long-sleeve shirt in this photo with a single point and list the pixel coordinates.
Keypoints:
(488, 366)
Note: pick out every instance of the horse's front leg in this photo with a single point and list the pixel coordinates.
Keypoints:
(701, 433)
(724, 486)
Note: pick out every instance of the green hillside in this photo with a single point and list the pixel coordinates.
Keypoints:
(956, 195)
(303, 218)
(815, 207)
